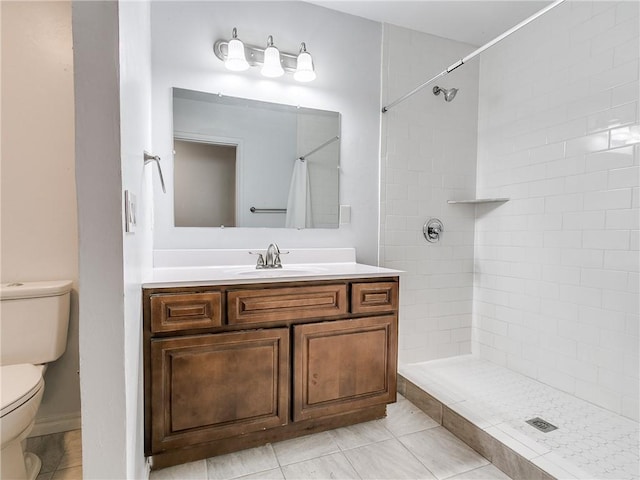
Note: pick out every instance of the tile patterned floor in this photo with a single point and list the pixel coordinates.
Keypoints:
(61, 455)
(407, 444)
(590, 442)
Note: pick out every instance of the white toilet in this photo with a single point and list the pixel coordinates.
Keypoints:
(34, 317)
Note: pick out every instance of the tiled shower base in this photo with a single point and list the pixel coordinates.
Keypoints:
(488, 405)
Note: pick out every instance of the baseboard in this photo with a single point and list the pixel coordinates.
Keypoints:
(57, 424)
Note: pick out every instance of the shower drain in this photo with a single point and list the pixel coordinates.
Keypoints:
(541, 425)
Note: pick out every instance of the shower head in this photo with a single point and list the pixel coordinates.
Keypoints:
(448, 94)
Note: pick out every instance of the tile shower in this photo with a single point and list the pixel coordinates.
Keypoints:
(544, 287)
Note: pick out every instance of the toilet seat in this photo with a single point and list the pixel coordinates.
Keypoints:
(19, 384)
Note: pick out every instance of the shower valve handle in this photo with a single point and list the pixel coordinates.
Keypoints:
(432, 230)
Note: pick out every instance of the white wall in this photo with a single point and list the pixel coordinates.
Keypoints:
(135, 138)
(112, 57)
(99, 186)
(38, 203)
(346, 53)
(429, 157)
(557, 266)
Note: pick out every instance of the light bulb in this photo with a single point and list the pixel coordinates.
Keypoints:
(272, 67)
(304, 69)
(236, 61)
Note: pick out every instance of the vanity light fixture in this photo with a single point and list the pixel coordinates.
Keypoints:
(236, 61)
(304, 69)
(271, 67)
(238, 56)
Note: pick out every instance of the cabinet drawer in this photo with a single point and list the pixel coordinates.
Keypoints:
(170, 313)
(374, 297)
(278, 304)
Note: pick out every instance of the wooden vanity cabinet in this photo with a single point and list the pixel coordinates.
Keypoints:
(229, 367)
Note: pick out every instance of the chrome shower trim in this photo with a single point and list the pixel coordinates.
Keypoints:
(449, 94)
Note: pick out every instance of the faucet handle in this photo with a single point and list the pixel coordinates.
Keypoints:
(260, 262)
(277, 263)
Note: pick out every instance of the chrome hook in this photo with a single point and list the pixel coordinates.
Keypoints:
(148, 158)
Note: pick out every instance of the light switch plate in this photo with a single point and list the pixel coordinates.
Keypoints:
(345, 214)
(130, 207)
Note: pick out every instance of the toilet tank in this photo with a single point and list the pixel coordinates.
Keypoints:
(34, 318)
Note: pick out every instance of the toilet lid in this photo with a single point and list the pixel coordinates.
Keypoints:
(19, 384)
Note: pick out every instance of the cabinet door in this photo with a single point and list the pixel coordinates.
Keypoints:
(208, 387)
(344, 365)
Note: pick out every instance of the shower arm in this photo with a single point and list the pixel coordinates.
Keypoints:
(473, 54)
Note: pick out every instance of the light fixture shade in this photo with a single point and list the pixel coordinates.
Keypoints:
(236, 61)
(272, 66)
(304, 70)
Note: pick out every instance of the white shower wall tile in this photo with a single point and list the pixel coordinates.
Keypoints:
(628, 92)
(430, 158)
(577, 74)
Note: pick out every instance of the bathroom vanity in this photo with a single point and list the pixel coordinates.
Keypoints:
(236, 363)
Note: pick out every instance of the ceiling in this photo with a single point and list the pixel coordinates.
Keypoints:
(474, 22)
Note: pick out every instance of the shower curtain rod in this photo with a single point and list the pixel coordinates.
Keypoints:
(331, 140)
(476, 52)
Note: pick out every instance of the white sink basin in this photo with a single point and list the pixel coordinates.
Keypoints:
(281, 272)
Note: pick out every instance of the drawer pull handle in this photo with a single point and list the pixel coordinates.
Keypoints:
(188, 311)
(375, 298)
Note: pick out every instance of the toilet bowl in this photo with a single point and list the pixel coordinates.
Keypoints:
(20, 397)
(34, 318)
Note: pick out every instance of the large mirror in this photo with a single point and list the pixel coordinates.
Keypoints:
(246, 163)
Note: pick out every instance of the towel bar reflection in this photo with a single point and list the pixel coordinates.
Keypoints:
(148, 158)
(267, 210)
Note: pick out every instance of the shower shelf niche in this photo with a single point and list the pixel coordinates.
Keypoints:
(478, 200)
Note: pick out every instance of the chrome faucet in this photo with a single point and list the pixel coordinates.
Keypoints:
(271, 258)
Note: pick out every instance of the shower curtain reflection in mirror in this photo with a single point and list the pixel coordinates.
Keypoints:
(299, 213)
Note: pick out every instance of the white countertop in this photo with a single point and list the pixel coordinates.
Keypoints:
(197, 267)
(246, 274)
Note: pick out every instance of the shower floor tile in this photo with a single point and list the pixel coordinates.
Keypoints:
(590, 442)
